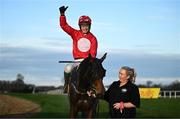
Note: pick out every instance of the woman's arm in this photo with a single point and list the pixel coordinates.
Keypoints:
(128, 105)
(122, 105)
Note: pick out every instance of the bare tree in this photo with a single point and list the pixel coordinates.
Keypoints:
(149, 83)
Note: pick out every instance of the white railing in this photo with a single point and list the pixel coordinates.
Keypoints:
(170, 94)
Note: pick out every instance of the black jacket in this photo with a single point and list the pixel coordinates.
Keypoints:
(126, 93)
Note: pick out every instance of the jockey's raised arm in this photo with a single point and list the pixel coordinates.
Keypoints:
(63, 23)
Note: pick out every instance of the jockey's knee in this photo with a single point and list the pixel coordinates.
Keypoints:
(68, 68)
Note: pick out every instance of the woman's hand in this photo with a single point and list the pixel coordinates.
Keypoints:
(90, 93)
(119, 106)
(116, 106)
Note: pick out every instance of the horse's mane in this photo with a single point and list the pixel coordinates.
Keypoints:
(84, 74)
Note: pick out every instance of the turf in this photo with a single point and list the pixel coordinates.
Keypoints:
(58, 106)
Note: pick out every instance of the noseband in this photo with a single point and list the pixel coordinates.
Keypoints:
(92, 89)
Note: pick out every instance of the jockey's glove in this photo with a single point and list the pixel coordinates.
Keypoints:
(62, 9)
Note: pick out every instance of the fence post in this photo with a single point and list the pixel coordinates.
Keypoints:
(169, 94)
(164, 94)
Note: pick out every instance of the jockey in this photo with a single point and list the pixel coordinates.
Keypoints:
(84, 42)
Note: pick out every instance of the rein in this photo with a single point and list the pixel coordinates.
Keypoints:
(77, 90)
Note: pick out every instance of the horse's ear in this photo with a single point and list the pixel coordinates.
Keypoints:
(103, 57)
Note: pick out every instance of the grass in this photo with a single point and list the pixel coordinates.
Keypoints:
(51, 105)
(164, 108)
(58, 106)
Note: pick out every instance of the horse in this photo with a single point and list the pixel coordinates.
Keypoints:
(88, 76)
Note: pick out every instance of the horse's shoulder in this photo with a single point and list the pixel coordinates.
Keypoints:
(74, 70)
(74, 74)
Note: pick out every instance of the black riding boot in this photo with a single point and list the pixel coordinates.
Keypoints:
(66, 81)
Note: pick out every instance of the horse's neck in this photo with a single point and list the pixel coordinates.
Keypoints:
(81, 78)
(83, 82)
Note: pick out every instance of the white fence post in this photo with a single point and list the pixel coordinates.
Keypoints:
(170, 94)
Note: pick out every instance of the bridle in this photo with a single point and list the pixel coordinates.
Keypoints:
(83, 93)
(91, 87)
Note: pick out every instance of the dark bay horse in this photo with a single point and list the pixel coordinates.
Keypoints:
(87, 76)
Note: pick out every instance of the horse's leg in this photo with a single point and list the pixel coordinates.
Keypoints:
(94, 109)
(83, 114)
(90, 113)
(73, 112)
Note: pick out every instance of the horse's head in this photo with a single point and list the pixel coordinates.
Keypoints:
(91, 73)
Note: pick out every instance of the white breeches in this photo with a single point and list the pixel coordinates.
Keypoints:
(68, 68)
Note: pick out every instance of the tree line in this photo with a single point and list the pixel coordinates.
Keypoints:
(175, 85)
(19, 85)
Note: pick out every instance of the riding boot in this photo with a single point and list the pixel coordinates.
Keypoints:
(66, 81)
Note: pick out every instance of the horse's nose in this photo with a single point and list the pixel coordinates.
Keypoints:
(100, 95)
(99, 87)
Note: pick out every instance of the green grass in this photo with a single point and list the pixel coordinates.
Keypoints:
(159, 108)
(51, 105)
(58, 106)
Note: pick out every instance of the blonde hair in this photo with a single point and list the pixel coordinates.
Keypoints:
(130, 73)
